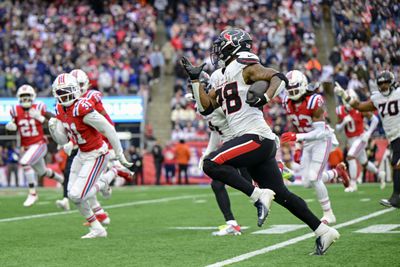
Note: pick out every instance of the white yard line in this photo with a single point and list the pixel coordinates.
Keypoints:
(294, 240)
(128, 204)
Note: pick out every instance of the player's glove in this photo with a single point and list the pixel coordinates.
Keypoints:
(258, 101)
(192, 71)
(288, 137)
(68, 147)
(297, 155)
(11, 126)
(121, 158)
(36, 114)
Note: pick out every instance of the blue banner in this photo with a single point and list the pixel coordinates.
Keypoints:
(122, 109)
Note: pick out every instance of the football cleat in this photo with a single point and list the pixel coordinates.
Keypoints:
(263, 205)
(323, 242)
(227, 229)
(102, 218)
(63, 204)
(352, 188)
(393, 201)
(124, 173)
(30, 200)
(95, 233)
(343, 174)
(328, 218)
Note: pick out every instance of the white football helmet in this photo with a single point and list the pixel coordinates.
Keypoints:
(82, 78)
(26, 95)
(297, 86)
(66, 89)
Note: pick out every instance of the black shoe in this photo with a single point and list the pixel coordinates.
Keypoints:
(262, 212)
(393, 201)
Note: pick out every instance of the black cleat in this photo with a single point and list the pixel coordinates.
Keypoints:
(262, 212)
(393, 201)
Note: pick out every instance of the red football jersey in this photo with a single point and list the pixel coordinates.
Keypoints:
(301, 113)
(85, 136)
(29, 129)
(356, 126)
(95, 97)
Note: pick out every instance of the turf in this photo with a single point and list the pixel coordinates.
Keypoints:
(142, 233)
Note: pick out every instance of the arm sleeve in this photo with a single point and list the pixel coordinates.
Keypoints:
(58, 133)
(316, 133)
(212, 143)
(373, 125)
(97, 121)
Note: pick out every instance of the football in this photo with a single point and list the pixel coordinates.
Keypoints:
(257, 89)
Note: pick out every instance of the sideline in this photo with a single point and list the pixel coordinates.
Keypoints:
(294, 240)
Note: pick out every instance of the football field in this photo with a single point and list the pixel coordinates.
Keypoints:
(171, 226)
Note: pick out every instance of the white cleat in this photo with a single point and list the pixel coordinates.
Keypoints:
(328, 218)
(30, 200)
(227, 229)
(352, 188)
(263, 205)
(95, 233)
(63, 204)
(324, 241)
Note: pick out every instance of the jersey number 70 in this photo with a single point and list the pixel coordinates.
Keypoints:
(391, 110)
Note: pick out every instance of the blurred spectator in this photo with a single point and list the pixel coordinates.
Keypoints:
(182, 158)
(40, 39)
(137, 160)
(12, 164)
(169, 162)
(158, 160)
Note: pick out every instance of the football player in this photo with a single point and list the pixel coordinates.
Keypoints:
(27, 118)
(254, 145)
(77, 119)
(386, 101)
(352, 122)
(305, 110)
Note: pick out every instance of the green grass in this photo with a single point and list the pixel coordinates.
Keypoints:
(141, 235)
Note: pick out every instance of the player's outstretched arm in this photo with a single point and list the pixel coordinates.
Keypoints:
(205, 103)
(354, 103)
(257, 72)
(100, 123)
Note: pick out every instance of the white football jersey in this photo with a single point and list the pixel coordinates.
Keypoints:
(388, 107)
(217, 120)
(231, 95)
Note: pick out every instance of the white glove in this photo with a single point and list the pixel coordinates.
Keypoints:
(121, 158)
(36, 114)
(365, 137)
(68, 147)
(52, 124)
(340, 91)
(11, 126)
(347, 119)
(201, 162)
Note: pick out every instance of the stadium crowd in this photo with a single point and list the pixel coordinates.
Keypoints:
(112, 42)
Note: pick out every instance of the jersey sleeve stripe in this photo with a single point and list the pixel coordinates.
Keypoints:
(338, 111)
(76, 109)
(13, 112)
(312, 101)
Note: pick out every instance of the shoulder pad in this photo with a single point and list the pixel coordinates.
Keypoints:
(40, 106)
(315, 101)
(94, 96)
(216, 76)
(82, 107)
(247, 58)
